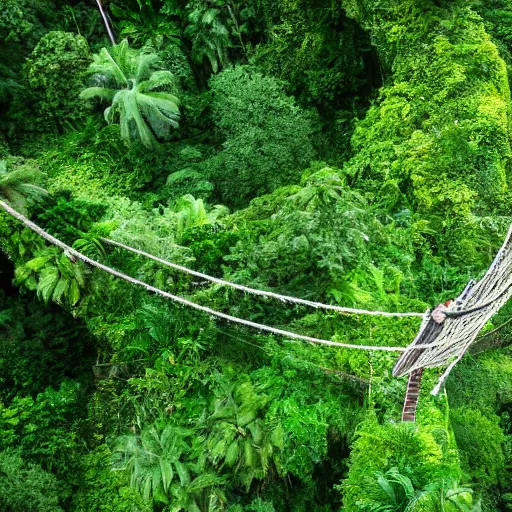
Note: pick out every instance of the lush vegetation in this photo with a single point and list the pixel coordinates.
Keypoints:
(356, 153)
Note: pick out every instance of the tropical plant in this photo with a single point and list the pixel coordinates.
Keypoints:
(160, 467)
(432, 128)
(26, 486)
(56, 73)
(395, 492)
(155, 459)
(191, 212)
(444, 496)
(239, 437)
(141, 22)
(18, 183)
(54, 275)
(320, 230)
(41, 427)
(214, 27)
(139, 93)
(14, 24)
(267, 136)
(188, 180)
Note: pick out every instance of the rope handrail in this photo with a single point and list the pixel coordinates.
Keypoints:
(255, 291)
(69, 250)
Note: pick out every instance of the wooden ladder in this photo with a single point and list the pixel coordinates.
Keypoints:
(412, 395)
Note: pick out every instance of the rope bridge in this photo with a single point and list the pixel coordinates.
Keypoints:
(254, 291)
(445, 334)
(447, 331)
(180, 300)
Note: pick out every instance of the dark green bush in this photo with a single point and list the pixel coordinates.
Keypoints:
(56, 75)
(267, 137)
(25, 486)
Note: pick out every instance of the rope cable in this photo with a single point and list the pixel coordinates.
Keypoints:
(456, 314)
(69, 250)
(254, 291)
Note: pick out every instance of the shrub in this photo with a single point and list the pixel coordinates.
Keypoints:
(26, 486)
(56, 74)
(267, 137)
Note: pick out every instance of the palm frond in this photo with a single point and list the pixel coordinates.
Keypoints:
(33, 191)
(104, 64)
(102, 93)
(19, 184)
(157, 79)
(134, 116)
(145, 62)
(159, 113)
(165, 101)
(125, 58)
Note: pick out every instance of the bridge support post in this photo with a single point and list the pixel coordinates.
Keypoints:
(412, 395)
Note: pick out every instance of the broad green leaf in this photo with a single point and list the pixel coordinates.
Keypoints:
(22, 273)
(167, 473)
(38, 263)
(48, 279)
(182, 471)
(60, 290)
(387, 488)
(232, 453)
(248, 454)
(277, 437)
(74, 293)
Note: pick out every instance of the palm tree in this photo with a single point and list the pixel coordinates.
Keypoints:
(138, 92)
(18, 185)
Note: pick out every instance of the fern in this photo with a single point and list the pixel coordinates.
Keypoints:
(18, 183)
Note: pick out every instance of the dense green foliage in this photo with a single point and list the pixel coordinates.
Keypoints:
(55, 74)
(267, 138)
(355, 153)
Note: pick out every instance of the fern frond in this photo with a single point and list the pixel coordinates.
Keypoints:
(183, 175)
(102, 93)
(144, 63)
(157, 79)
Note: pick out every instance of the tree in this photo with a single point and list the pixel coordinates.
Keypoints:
(138, 92)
